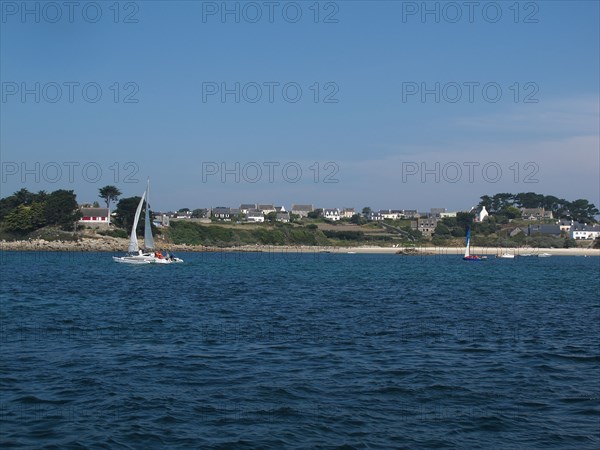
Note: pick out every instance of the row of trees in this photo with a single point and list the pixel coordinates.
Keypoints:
(26, 211)
(507, 204)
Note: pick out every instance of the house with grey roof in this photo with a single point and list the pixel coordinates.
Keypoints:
(255, 216)
(222, 213)
(375, 216)
(347, 213)
(391, 214)
(302, 210)
(425, 225)
(283, 217)
(331, 214)
(437, 212)
(266, 209)
(551, 230)
(95, 217)
(584, 231)
(535, 214)
(245, 207)
(410, 214)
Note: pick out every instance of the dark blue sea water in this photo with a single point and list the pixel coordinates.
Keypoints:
(299, 351)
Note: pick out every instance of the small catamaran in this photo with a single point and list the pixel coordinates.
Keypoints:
(468, 256)
(149, 256)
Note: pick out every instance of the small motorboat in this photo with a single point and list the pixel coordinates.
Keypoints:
(506, 256)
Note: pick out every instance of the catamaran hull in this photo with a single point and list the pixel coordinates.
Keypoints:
(143, 259)
(128, 260)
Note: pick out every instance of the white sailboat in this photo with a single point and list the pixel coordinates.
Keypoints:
(135, 255)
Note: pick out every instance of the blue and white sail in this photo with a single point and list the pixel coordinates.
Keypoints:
(467, 250)
(148, 239)
(133, 242)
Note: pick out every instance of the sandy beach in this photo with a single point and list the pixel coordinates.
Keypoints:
(109, 244)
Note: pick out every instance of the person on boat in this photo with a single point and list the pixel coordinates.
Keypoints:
(158, 255)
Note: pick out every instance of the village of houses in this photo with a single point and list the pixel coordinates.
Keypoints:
(541, 221)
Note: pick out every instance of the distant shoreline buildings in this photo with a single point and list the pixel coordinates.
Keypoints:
(425, 222)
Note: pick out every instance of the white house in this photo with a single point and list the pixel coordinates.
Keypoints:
(183, 215)
(266, 209)
(482, 214)
(448, 214)
(282, 217)
(392, 214)
(98, 217)
(161, 220)
(583, 231)
(332, 214)
(347, 213)
(255, 216)
(245, 207)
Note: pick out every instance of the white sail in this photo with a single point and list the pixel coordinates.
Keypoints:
(467, 252)
(148, 239)
(133, 242)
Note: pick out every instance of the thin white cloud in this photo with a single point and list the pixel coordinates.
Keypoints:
(571, 116)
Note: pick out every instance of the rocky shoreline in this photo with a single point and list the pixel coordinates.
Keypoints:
(119, 245)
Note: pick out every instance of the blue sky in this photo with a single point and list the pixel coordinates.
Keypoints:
(370, 142)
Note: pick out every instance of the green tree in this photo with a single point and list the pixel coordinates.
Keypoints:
(464, 220)
(512, 212)
(271, 217)
(109, 194)
(441, 229)
(125, 213)
(61, 209)
(26, 218)
(582, 210)
(358, 219)
(529, 200)
(24, 197)
(315, 214)
(366, 211)
(501, 202)
(199, 213)
(486, 201)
